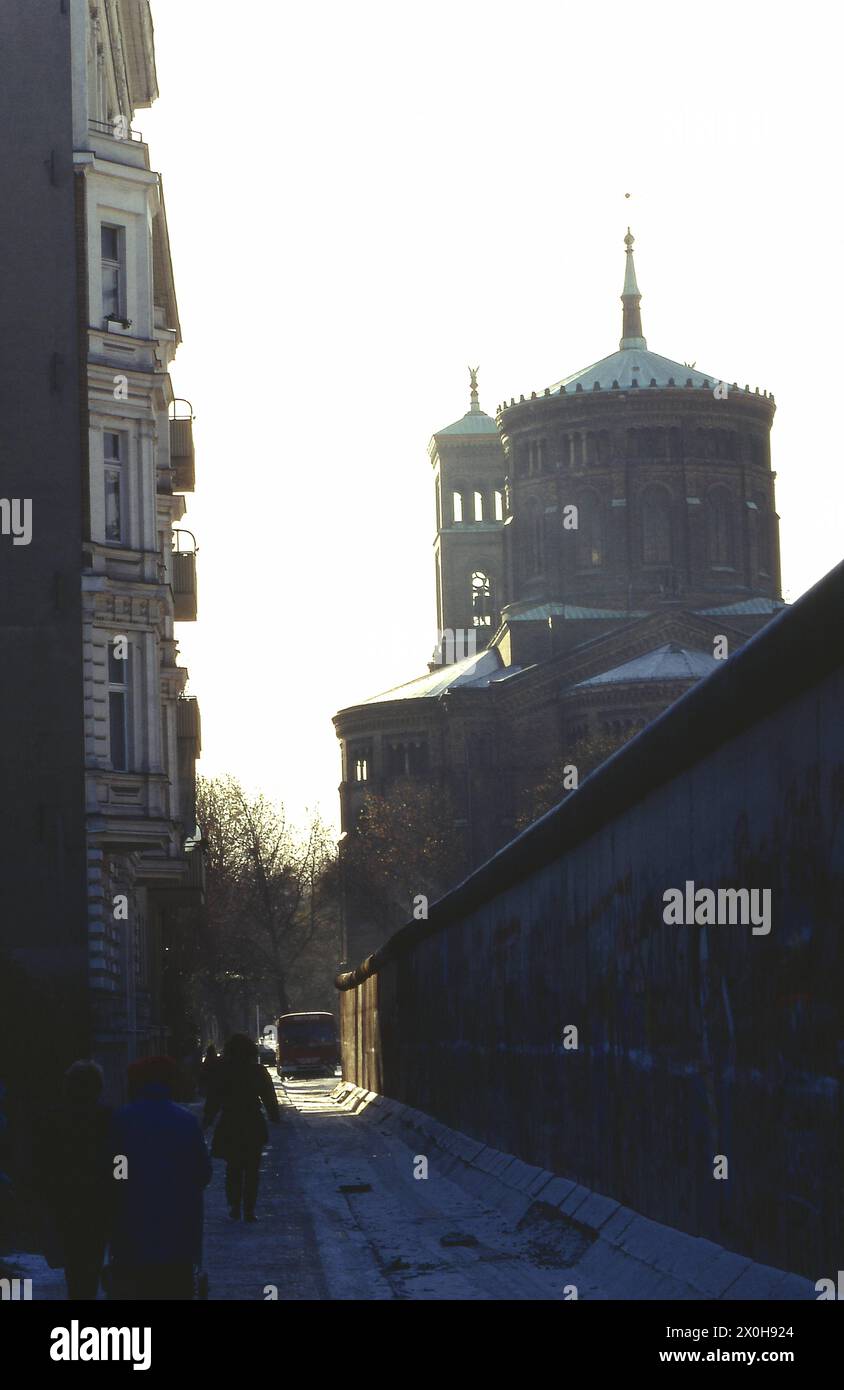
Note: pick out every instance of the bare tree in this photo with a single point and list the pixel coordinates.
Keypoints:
(266, 907)
(554, 784)
(402, 845)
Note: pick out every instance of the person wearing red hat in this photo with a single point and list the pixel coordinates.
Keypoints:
(161, 1168)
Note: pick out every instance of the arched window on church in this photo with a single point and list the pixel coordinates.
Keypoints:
(360, 759)
(479, 506)
(656, 526)
(535, 537)
(590, 532)
(720, 528)
(498, 498)
(481, 599)
(457, 509)
(762, 518)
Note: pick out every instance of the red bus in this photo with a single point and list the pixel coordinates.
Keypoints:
(307, 1042)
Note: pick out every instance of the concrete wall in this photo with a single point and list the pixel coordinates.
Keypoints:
(694, 1041)
(42, 847)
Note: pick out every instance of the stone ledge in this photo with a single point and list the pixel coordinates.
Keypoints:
(630, 1257)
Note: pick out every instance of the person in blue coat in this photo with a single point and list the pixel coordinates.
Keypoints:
(161, 1168)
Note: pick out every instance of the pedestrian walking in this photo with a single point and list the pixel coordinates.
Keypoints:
(74, 1177)
(241, 1093)
(210, 1062)
(161, 1168)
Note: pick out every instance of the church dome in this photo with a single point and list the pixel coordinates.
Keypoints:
(639, 480)
(632, 367)
(473, 422)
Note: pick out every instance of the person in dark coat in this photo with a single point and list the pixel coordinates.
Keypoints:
(156, 1239)
(75, 1179)
(207, 1071)
(241, 1092)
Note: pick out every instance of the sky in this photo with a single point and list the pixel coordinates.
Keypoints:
(364, 199)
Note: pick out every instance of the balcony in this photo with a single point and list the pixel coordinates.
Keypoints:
(182, 456)
(118, 143)
(178, 882)
(183, 562)
(195, 877)
(187, 721)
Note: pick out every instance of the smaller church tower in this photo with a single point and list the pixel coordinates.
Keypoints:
(469, 466)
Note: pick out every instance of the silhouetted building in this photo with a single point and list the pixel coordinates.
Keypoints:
(99, 831)
(592, 543)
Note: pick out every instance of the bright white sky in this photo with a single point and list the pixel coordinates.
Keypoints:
(364, 198)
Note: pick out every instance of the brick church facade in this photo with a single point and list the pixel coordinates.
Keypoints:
(598, 547)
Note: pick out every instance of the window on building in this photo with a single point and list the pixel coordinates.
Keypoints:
(590, 533)
(762, 519)
(417, 758)
(498, 499)
(720, 529)
(481, 749)
(457, 505)
(360, 761)
(113, 272)
(407, 757)
(656, 526)
(535, 537)
(118, 706)
(114, 448)
(481, 599)
(479, 506)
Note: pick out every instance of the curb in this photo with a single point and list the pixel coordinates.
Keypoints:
(629, 1256)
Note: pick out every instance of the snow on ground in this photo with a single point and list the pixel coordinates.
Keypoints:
(388, 1236)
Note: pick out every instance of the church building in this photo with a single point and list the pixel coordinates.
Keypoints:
(599, 547)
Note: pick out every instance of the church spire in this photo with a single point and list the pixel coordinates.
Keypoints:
(631, 331)
(474, 407)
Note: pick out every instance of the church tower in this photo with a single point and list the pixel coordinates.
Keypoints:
(469, 466)
(640, 482)
(592, 544)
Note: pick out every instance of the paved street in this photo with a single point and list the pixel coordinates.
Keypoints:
(383, 1241)
(387, 1236)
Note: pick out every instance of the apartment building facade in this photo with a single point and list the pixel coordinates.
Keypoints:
(130, 443)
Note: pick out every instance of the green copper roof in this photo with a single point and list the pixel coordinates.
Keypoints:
(529, 612)
(750, 606)
(475, 421)
(477, 670)
(632, 367)
(670, 662)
